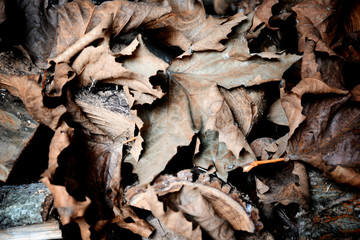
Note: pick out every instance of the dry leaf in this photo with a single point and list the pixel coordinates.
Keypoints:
(277, 114)
(27, 88)
(189, 28)
(229, 69)
(288, 185)
(2, 11)
(291, 102)
(263, 13)
(173, 220)
(225, 200)
(328, 138)
(63, 74)
(59, 142)
(98, 64)
(319, 13)
(67, 207)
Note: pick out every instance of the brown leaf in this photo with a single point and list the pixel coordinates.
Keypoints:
(98, 64)
(309, 32)
(63, 74)
(27, 88)
(2, 11)
(291, 102)
(225, 200)
(229, 69)
(263, 13)
(59, 142)
(277, 114)
(67, 207)
(242, 107)
(318, 13)
(190, 201)
(189, 28)
(173, 220)
(328, 138)
(287, 185)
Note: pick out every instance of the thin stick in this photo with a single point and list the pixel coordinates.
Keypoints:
(250, 166)
(130, 140)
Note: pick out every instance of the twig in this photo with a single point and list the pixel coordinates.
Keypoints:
(130, 140)
(250, 166)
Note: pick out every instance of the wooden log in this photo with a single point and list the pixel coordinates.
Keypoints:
(45, 230)
(24, 204)
(16, 130)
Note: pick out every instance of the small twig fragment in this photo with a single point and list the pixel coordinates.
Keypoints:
(250, 166)
(130, 140)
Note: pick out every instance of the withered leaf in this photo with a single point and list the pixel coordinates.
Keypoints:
(329, 137)
(189, 28)
(291, 102)
(288, 185)
(229, 68)
(263, 13)
(68, 208)
(319, 13)
(277, 114)
(172, 219)
(27, 88)
(99, 64)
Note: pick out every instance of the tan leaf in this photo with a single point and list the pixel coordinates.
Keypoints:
(288, 185)
(98, 64)
(263, 13)
(318, 12)
(291, 102)
(227, 70)
(59, 142)
(242, 107)
(190, 201)
(27, 88)
(81, 23)
(225, 200)
(189, 28)
(173, 220)
(68, 208)
(63, 74)
(277, 114)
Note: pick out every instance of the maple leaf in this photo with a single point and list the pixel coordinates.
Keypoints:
(188, 27)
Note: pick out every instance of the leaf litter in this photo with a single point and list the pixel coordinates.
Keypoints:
(112, 108)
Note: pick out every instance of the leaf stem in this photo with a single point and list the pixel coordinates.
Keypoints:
(130, 140)
(251, 165)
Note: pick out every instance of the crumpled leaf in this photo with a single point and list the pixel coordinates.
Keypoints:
(61, 140)
(288, 185)
(328, 138)
(99, 64)
(318, 12)
(277, 114)
(263, 13)
(189, 28)
(225, 200)
(172, 219)
(27, 88)
(63, 74)
(190, 201)
(68, 208)
(309, 32)
(291, 102)
(65, 29)
(230, 69)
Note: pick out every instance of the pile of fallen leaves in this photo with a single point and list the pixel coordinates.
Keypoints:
(165, 85)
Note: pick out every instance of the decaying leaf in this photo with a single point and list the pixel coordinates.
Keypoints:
(68, 208)
(291, 102)
(229, 68)
(189, 28)
(289, 185)
(98, 64)
(226, 202)
(328, 138)
(277, 114)
(27, 88)
(263, 13)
